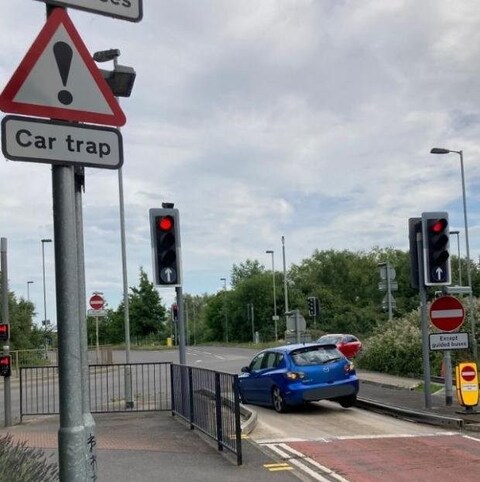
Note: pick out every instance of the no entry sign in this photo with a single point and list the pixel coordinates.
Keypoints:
(96, 302)
(447, 313)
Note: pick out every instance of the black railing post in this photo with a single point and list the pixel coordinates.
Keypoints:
(190, 399)
(172, 388)
(218, 411)
(238, 425)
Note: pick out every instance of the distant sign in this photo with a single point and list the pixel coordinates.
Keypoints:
(131, 10)
(97, 302)
(55, 142)
(448, 341)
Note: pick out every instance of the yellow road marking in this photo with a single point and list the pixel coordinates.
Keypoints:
(277, 467)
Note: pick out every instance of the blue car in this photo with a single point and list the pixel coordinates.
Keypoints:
(294, 374)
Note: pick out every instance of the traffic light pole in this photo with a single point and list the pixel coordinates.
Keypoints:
(424, 318)
(6, 347)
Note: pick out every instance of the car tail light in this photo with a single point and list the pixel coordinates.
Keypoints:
(349, 367)
(294, 375)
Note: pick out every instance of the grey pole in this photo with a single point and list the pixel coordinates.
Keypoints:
(459, 260)
(285, 275)
(469, 262)
(72, 451)
(424, 320)
(225, 307)
(275, 318)
(28, 289)
(44, 295)
(88, 420)
(7, 396)
(471, 314)
(181, 326)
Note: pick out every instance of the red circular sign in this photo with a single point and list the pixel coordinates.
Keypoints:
(468, 373)
(447, 313)
(96, 302)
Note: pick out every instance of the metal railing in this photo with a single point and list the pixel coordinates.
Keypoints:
(149, 387)
(209, 401)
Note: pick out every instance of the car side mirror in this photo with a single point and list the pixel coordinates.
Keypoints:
(245, 370)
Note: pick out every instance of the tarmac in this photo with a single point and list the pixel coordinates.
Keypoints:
(156, 446)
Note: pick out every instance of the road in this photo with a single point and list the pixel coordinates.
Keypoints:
(324, 442)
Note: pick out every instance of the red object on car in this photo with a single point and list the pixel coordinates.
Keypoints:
(349, 345)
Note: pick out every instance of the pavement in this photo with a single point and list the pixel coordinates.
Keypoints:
(154, 446)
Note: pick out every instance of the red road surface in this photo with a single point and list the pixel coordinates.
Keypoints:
(394, 459)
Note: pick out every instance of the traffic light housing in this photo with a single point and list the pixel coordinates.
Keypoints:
(436, 245)
(175, 312)
(5, 365)
(166, 252)
(313, 306)
(4, 331)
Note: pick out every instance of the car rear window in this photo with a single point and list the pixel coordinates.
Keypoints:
(315, 356)
(330, 339)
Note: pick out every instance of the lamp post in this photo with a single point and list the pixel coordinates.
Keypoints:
(284, 275)
(45, 321)
(44, 289)
(28, 289)
(275, 317)
(459, 260)
(225, 306)
(439, 150)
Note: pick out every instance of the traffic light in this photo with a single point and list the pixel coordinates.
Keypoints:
(312, 306)
(5, 365)
(436, 244)
(174, 312)
(166, 253)
(4, 331)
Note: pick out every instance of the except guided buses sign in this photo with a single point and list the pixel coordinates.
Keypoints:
(467, 384)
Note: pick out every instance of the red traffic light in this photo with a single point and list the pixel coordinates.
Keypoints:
(3, 331)
(5, 365)
(165, 223)
(439, 225)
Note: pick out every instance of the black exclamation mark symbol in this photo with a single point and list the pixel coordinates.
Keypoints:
(63, 55)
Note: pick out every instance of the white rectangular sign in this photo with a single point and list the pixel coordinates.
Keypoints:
(96, 312)
(56, 142)
(448, 341)
(131, 10)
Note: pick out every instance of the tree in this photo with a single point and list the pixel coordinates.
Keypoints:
(245, 271)
(147, 314)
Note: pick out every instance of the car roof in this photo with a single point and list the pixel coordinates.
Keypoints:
(298, 346)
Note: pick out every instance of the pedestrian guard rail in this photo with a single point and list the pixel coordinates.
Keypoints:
(121, 387)
(209, 401)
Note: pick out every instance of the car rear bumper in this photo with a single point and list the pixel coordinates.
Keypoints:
(301, 393)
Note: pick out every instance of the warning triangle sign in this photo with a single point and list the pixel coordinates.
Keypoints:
(59, 79)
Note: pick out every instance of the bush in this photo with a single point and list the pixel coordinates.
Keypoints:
(22, 464)
(397, 349)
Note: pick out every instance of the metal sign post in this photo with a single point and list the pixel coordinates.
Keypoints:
(6, 347)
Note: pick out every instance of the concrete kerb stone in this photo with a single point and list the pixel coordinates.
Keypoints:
(250, 419)
(410, 414)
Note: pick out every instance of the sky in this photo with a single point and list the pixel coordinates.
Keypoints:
(308, 119)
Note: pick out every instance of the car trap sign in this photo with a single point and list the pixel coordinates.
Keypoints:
(56, 142)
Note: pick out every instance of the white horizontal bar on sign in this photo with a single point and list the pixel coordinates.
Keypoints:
(447, 313)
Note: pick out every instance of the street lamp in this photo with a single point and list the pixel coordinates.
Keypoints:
(439, 150)
(28, 289)
(275, 317)
(459, 260)
(284, 275)
(225, 306)
(44, 290)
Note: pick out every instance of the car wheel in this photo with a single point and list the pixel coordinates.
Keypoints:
(348, 401)
(278, 401)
